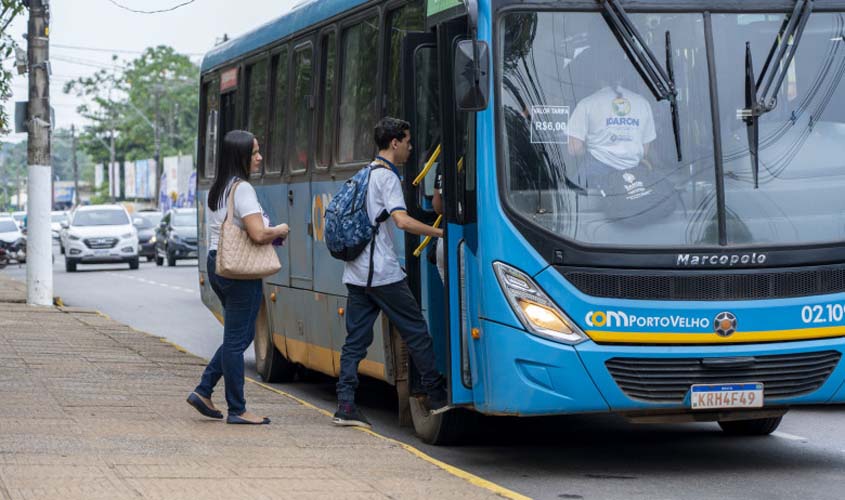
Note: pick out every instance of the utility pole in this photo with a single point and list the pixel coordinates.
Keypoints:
(115, 177)
(157, 155)
(75, 166)
(39, 249)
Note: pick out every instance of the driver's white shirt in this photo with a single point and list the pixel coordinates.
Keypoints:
(615, 124)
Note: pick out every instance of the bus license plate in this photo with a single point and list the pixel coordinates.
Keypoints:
(704, 397)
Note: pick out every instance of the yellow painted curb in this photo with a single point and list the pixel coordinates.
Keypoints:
(462, 474)
(459, 473)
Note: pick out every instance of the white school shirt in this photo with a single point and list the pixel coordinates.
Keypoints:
(384, 193)
(615, 124)
(246, 203)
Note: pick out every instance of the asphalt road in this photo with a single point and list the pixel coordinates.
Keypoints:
(590, 457)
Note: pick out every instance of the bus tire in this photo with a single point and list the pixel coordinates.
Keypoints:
(449, 428)
(755, 427)
(269, 362)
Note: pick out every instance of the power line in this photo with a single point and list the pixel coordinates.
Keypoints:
(151, 11)
(103, 49)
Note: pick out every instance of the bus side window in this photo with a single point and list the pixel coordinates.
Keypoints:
(325, 127)
(211, 93)
(256, 101)
(358, 91)
(303, 69)
(276, 161)
(409, 17)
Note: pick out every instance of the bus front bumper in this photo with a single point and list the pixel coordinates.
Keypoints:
(528, 375)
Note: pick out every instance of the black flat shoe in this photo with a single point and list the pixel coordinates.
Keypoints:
(236, 419)
(197, 402)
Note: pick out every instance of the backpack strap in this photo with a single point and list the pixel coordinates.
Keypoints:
(383, 216)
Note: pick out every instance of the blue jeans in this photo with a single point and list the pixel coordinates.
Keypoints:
(241, 301)
(401, 308)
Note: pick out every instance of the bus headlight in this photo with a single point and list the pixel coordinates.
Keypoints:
(535, 310)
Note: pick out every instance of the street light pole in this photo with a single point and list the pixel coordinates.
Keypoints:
(39, 268)
(157, 155)
(75, 166)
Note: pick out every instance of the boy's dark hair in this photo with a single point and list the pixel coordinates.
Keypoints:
(389, 128)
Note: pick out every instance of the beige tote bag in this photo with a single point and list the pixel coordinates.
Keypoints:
(238, 257)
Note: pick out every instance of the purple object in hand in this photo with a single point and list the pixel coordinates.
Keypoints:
(278, 242)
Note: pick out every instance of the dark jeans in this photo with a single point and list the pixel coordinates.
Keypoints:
(241, 301)
(400, 306)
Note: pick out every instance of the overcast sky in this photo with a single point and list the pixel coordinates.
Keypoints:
(99, 24)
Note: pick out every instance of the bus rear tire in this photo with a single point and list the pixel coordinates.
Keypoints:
(449, 428)
(269, 362)
(755, 427)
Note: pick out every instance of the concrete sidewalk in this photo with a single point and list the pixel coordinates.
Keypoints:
(91, 409)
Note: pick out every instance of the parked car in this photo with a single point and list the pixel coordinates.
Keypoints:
(19, 218)
(99, 234)
(176, 236)
(12, 241)
(56, 219)
(146, 223)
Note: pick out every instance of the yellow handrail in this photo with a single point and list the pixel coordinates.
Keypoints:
(427, 239)
(428, 165)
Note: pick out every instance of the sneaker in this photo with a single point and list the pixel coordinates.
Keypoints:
(437, 400)
(349, 415)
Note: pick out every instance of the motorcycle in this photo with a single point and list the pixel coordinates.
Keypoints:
(14, 251)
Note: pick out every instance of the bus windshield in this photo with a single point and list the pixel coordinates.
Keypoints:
(590, 152)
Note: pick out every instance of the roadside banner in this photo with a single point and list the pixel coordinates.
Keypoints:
(114, 179)
(129, 180)
(142, 180)
(163, 198)
(98, 176)
(192, 189)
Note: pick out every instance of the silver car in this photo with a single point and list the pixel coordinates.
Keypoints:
(100, 234)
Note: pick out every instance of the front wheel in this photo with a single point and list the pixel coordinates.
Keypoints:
(70, 265)
(755, 427)
(269, 362)
(133, 264)
(451, 427)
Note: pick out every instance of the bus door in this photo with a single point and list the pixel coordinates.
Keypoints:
(428, 106)
(298, 192)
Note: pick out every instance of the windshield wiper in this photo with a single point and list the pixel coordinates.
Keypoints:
(660, 81)
(774, 71)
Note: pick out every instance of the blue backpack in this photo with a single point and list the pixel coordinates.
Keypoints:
(348, 230)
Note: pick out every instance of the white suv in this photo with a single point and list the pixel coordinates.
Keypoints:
(100, 234)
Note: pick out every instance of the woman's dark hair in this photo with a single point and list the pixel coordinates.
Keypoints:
(389, 128)
(235, 159)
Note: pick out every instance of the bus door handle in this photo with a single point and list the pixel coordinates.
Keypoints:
(290, 197)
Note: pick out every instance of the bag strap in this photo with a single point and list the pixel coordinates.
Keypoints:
(230, 203)
(383, 216)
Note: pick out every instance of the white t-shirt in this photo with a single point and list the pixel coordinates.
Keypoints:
(383, 193)
(615, 124)
(246, 203)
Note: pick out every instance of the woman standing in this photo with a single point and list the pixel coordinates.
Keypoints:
(241, 299)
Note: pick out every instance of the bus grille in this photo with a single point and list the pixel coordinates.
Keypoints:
(658, 380)
(710, 286)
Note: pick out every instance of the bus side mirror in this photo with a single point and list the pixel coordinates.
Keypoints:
(472, 75)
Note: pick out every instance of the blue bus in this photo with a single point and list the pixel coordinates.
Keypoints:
(641, 199)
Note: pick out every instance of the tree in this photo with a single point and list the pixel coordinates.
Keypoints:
(159, 87)
(9, 10)
(12, 171)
